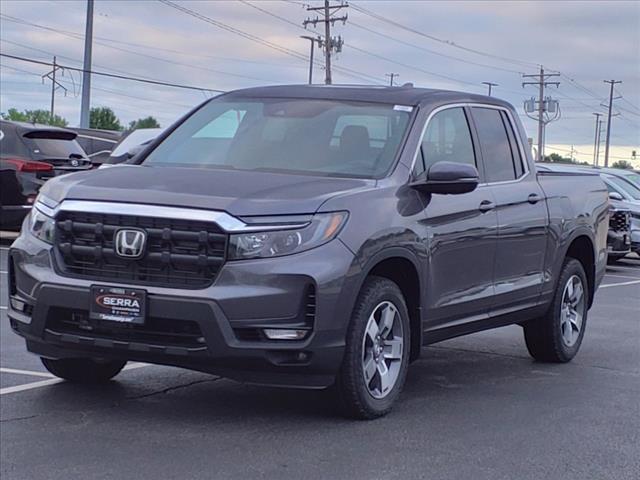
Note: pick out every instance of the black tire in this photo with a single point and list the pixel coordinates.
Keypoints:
(353, 393)
(544, 336)
(84, 370)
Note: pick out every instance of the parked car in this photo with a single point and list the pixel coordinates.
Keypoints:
(311, 236)
(623, 196)
(98, 144)
(630, 176)
(626, 196)
(131, 144)
(30, 154)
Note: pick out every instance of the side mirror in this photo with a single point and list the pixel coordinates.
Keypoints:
(133, 151)
(616, 196)
(448, 178)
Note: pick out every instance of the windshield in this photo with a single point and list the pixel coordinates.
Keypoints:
(632, 177)
(54, 147)
(626, 187)
(322, 137)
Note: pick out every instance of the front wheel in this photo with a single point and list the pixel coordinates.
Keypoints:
(84, 370)
(376, 355)
(557, 336)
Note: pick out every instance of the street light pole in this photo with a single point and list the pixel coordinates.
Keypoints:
(313, 42)
(490, 84)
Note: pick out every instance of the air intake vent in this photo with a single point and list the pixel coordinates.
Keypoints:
(310, 306)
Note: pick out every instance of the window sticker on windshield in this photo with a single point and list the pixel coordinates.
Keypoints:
(403, 108)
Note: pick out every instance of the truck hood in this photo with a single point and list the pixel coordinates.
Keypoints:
(240, 193)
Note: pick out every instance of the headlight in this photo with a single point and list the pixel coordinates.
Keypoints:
(41, 226)
(322, 228)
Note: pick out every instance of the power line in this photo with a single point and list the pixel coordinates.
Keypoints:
(102, 89)
(256, 39)
(433, 52)
(78, 36)
(437, 39)
(366, 52)
(112, 75)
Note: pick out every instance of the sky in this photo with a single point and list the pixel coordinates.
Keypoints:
(453, 45)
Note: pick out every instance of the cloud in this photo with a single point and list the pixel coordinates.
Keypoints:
(588, 41)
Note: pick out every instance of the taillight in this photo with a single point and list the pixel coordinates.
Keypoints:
(29, 166)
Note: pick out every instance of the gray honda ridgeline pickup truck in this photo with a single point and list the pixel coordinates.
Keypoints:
(310, 236)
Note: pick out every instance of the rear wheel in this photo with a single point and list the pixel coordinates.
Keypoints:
(84, 370)
(557, 336)
(377, 351)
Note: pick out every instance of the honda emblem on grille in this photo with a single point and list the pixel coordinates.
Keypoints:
(130, 243)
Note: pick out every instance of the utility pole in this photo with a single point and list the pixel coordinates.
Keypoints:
(541, 83)
(596, 143)
(600, 123)
(391, 77)
(313, 41)
(490, 84)
(573, 150)
(606, 145)
(55, 85)
(86, 76)
(330, 43)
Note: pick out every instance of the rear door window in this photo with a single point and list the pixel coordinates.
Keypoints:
(496, 145)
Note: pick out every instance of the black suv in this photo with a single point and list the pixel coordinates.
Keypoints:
(30, 154)
(311, 236)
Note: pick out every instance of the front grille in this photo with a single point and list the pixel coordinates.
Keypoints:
(155, 331)
(178, 253)
(619, 221)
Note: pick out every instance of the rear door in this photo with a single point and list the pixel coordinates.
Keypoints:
(520, 207)
(460, 229)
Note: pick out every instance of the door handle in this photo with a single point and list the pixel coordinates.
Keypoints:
(486, 205)
(534, 198)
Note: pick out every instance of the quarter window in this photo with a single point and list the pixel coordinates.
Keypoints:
(447, 139)
(498, 144)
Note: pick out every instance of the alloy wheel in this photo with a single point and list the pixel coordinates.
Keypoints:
(382, 349)
(572, 310)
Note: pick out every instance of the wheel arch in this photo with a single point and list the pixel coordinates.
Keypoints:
(401, 266)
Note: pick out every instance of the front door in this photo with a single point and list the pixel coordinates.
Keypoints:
(460, 229)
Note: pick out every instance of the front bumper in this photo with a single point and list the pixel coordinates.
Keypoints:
(618, 243)
(246, 296)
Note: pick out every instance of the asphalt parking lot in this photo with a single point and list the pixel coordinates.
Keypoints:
(476, 407)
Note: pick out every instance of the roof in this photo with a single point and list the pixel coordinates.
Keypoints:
(33, 129)
(406, 95)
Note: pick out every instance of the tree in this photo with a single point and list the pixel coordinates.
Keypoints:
(622, 164)
(103, 118)
(148, 122)
(555, 158)
(34, 116)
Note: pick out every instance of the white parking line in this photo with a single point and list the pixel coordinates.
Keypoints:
(29, 386)
(3, 271)
(2, 307)
(621, 276)
(620, 284)
(623, 267)
(26, 372)
(53, 381)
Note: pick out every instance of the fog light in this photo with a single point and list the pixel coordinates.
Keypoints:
(17, 304)
(284, 334)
